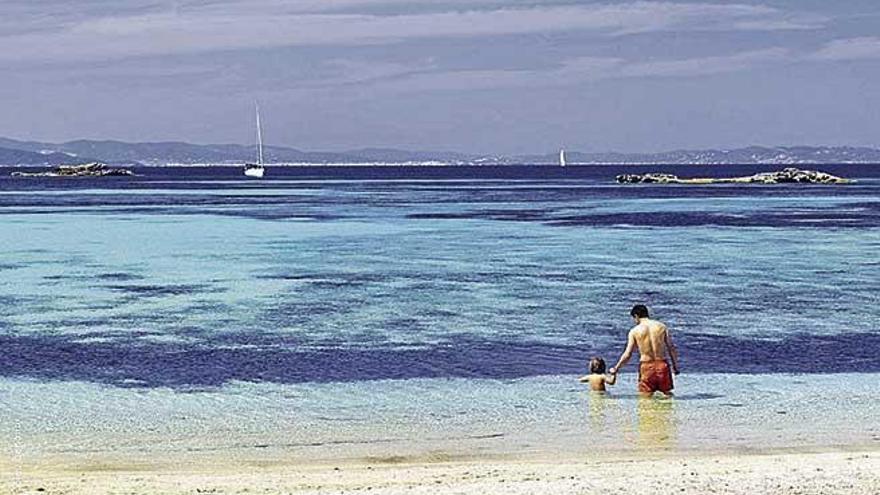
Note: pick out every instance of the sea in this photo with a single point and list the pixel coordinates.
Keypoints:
(387, 313)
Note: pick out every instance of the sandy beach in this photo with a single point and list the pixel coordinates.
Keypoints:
(855, 472)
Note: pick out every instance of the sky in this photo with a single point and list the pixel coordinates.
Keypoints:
(479, 76)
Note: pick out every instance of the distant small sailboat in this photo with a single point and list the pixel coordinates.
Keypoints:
(561, 158)
(256, 170)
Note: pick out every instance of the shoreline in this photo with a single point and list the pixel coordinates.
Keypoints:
(826, 471)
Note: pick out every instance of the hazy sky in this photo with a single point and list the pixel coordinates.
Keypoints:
(469, 75)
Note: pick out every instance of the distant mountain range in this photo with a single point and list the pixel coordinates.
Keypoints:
(778, 155)
(9, 156)
(14, 152)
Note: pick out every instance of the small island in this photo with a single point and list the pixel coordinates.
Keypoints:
(785, 176)
(94, 169)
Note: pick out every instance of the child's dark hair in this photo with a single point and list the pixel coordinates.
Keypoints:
(597, 366)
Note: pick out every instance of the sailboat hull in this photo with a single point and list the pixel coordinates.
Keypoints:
(255, 172)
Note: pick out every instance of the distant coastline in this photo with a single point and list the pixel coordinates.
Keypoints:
(180, 154)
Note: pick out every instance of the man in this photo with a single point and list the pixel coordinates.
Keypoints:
(655, 347)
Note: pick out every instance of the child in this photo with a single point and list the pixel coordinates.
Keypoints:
(597, 377)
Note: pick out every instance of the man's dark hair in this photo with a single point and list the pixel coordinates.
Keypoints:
(639, 311)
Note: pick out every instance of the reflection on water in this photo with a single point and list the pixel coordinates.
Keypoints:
(598, 411)
(645, 423)
(656, 423)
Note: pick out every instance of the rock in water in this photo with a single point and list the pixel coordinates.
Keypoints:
(785, 176)
(647, 179)
(94, 169)
(796, 175)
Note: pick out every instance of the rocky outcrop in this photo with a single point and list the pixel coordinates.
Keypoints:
(94, 169)
(785, 176)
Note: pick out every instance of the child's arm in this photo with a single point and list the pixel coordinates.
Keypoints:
(584, 379)
(611, 379)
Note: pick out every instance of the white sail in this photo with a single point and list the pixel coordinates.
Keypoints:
(259, 136)
(561, 158)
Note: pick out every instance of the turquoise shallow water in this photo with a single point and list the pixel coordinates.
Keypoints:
(362, 317)
(191, 282)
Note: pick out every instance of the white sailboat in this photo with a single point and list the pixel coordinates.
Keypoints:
(256, 170)
(561, 158)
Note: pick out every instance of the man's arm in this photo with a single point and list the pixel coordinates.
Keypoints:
(673, 351)
(627, 353)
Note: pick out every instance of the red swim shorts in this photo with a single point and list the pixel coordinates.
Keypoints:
(655, 376)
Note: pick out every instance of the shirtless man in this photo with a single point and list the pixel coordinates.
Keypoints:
(655, 347)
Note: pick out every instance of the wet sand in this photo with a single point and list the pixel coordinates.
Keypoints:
(854, 472)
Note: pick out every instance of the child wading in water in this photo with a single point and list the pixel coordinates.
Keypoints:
(597, 377)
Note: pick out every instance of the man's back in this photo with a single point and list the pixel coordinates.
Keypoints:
(655, 346)
(651, 337)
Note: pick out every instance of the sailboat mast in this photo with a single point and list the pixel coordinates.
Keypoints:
(259, 136)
